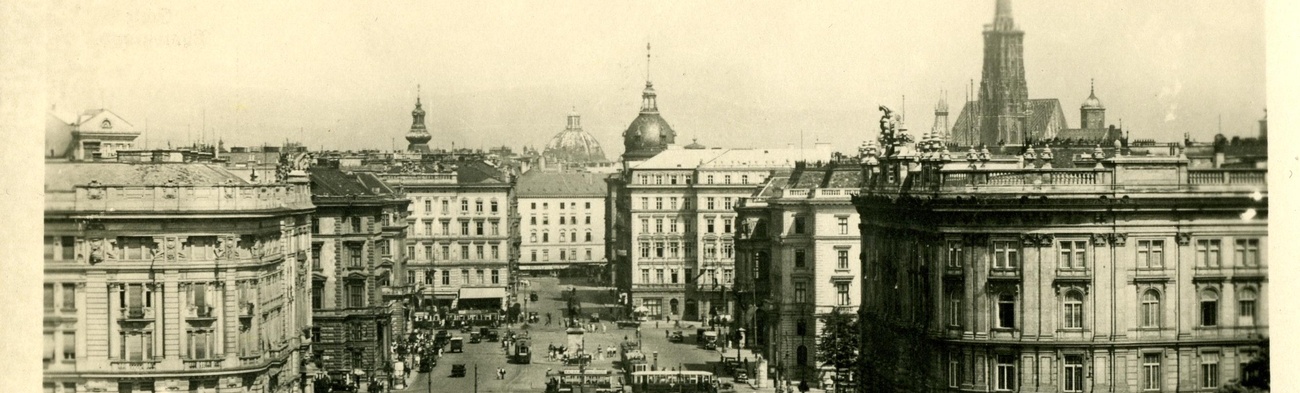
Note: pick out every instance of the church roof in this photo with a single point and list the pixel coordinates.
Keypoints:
(1044, 113)
(574, 145)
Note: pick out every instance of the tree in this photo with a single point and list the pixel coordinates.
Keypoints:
(838, 344)
(1255, 377)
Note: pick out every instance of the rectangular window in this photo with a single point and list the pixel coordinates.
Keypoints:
(48, 353)
(1247, 252)
(954, 254)
(588, 254)
(726, 179)
(672, 225)
(480, 276)
(726, 276)
(446, 228)
(842, 293)
(445, 207)
(446, 252)
(464, 276)
(659, 249)
(659, 225)
(799, 225)
(709, 203)
(1074, 255)
(672, 203)
(68, 247)
(659, 276)
(1006, 373)
(1006, 255)
(954, 307)
(464, 253)
(645, 276)
(659, 203)
(496, 252)
(49, 296)
(1207, 253)
(446, 277)
(464, 206)
(479, 228)
(726, 202)
(726, 225)
(354, 256)
(496, 228)
(672, 275)
(672, 249)
(494, 206)
(844, 225)
(1073, 381)
(686, 203)
(478, 207)
(478, 251)
(428, 206)
(356, 224)
(800, 292)
(744, 179)
(645, 225)
(1151, 371)
(428, 252)
(645, 249)
(428, 276)
(842, 258)
(1006, 311)
(1151, 254)
(69, 346)
(70, 296)
(356, 295)
(645, 203)
(710, 251)
(954, 370)
(200, 344)
(1209, 370)
(534, 256)
(464, 228)
(317, 295)
(708, 226)
(496, 276)
(428, 228)
(799, 259)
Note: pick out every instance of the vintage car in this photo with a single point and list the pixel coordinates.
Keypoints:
(628, 323)
(475, 338)
(457, 345)
(677, 337)
(489, 334)
(458, 370)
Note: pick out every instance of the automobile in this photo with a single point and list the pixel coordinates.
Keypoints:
(741, 376)
(628, 323)
(457, 345)
(457, 370)
(726, 388)
(532, 297)
(488, 334)
(677, 337)
(442, 335)
(427, 364)
(475, 338)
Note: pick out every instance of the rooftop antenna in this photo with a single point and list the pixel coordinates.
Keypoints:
(647, 62)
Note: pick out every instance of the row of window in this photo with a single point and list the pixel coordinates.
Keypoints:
(710, 225)
(546, 220)
(670, 250)
(444, 252)
(198, 248)
(800, 226)
(570, 205)
(710, 203)
(199, 303)
(842, 297)
(1073, 375)
(1150, 254)
(686, 179)
(493, 207)
(1150, 312)
(546, 236)
(351, 224)
(429, 276)
(841, 259)
(565, 255)
(479, 228)
(709, 276)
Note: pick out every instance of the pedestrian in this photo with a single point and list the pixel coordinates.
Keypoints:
(603, 329)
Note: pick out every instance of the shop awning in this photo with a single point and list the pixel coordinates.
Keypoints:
(482, 293)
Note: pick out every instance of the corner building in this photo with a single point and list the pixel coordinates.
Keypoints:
(1128, 274)
(174, 276)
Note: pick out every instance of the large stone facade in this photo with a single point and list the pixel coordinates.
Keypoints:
(174, 276)
(1133, 274)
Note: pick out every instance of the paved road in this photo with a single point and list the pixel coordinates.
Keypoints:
(489, 356)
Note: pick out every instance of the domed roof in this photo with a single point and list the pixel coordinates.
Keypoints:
(695, 146)
(1092, 101)
(574, 145)
(649, 133)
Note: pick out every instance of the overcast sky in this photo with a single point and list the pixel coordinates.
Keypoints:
(344, 75)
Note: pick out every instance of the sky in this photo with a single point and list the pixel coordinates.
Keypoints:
(344, 75)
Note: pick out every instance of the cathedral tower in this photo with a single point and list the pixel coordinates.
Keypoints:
(418, 136)
(940, 127)
(1003, 95)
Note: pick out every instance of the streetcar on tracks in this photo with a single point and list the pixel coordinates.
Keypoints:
(668, 381)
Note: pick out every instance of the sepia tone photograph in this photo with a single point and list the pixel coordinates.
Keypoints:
(838, 197)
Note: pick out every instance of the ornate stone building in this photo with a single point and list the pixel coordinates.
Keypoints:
(359, 289)
(1119, 273)
(174, 276)
(796, 261)
(563, 221)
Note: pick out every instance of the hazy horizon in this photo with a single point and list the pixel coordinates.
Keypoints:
(343, 76)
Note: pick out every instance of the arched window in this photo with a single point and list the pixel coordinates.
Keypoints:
(1151, 309)
(1073, 310)
(801, 355)
(1246, 306)
(1209, 308)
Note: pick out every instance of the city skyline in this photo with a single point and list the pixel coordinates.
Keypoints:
(349, 83)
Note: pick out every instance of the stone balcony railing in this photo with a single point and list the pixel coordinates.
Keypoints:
(134, 365)
(174, 198)
(419, 178)
(194, 364)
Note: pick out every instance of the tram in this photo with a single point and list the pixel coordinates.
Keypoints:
(574, 380)
(667, 381)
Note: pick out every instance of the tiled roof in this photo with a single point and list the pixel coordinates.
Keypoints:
(473, 172)
(64, 176)
(327, 182)
(542, 184)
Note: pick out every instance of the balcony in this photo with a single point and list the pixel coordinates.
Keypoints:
(200, 314)
(1082, 275)
(136, 314)
(1004, 273)
(134, 365)
(196, 364)
(250, 360)
(246, 310)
